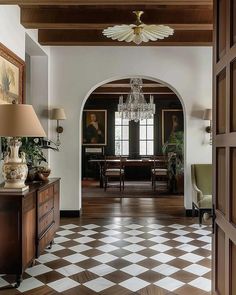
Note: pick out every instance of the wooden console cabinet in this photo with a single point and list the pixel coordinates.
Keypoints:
(28, 222)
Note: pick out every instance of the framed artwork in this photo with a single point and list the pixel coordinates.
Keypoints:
(11, 77)
(94, 127)
(172, 122)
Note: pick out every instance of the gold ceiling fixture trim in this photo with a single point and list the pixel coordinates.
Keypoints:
(138, 32)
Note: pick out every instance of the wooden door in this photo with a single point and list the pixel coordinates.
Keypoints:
(224, 147)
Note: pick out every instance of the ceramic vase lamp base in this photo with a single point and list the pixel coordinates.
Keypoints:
(14, 168)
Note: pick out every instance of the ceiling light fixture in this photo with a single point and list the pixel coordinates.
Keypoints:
(139, 32)
(136, 107)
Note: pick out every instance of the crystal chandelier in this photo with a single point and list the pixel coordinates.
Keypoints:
(136, 107)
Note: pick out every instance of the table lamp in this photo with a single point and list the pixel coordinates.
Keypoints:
(16, 121)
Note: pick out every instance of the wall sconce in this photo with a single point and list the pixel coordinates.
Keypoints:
(208, 117)
(58, 114)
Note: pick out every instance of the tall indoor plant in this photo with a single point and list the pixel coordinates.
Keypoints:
(174, 149)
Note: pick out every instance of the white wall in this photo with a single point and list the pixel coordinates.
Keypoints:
(76, 71)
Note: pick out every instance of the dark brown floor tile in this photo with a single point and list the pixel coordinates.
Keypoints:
(68, 244)
(92, 252)
(150, 276)
(172, 243)
(117, 290)
(202, 252)
(80, 290)
(197, 243)
(152, 290)
(117, 276)
(119, 263)
(84, 277)
(147, 252)
(179, 263)
(88, 263)
(208, 275)
(189, 290)
(44, 290)
(121, 243)
(175, 252)
(9, 290)
(57, 263)
(72, 236)
(120, 252)
(95, 244)
(64, 253)
(147, 243)
(205, 262)
(149, 263)
(49, 277)
(184, 276)
(146, 236)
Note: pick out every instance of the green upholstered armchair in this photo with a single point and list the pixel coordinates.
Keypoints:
(202, 188)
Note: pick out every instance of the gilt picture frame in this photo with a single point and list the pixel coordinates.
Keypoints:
(172, 121)
(94, 131)
(12, 71)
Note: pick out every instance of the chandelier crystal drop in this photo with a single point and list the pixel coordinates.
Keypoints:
(138, 32)
(136, 107)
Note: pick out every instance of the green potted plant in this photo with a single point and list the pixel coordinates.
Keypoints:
(174, 149)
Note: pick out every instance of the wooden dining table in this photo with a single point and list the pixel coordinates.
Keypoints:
(124, 163)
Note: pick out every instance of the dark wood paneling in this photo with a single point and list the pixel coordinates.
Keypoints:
(221, 180)
(233, 185)
(233, 97)
(220, 262)
(221, 103)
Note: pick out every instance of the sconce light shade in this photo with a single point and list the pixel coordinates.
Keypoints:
(19, 120)
(207, 115)
(58, 114)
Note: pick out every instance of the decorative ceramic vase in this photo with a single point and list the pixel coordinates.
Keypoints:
(14, 168)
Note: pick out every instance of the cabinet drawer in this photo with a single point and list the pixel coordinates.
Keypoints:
(45, 222)
(45, 208)
(45, 195)
(46, 239)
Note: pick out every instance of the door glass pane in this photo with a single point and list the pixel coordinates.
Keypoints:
(118, 132)
(142, 148)
(125, 122)
(149, 132)
(142, 132)
(125, 132)
(125, 149)
(149, 148)
(150, 121)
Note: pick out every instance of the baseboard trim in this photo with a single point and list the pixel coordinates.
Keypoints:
(70, 213)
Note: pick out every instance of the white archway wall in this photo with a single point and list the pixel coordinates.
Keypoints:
(76, 71)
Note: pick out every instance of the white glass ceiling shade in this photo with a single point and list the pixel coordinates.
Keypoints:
(139, 32)
(136, 107)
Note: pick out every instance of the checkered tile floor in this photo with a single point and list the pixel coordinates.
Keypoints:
(122, 258)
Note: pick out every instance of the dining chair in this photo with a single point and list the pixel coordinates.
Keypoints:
(113, 170)
(159, 174)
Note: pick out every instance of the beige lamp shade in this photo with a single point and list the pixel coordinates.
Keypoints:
(207, 114)
(58, 114)
(19, 120)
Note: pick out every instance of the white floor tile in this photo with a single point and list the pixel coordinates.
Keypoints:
(84, 240)
(134, 232)
(47, 258)
(206, 239)
(157, 232)
(165, 269)
(183, 239)
(80, 248)
(159, 239)
(59, 240)
(63, 284)
(112, 226)
(177, 226)
(109, 240)
(155, 226)
(3, 283)
(162, 257)
(179, 232)
(104, 258)
(134, 248)
(107, 248)
(134, 257)
(134, 269)
(37, 270)
(90, 226)
(187, 248)
(102, 270)
(191, 257)
(134, 226)
(87, 232)
(196, 269)
(111, 232)
(201, 283)
(161, 248)
(70, 270)
(169, 284)
(134, 284)
(69, 226)
(202, 232)
(99, 284)
(65, 232)
(75, 258)
(29, 284)
(55, 248)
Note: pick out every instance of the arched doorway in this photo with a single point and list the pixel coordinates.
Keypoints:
(105, 96)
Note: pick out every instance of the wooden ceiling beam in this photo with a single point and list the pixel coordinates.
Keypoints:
(80, 17)
(95, 38)
(126, 89)
(107, 2)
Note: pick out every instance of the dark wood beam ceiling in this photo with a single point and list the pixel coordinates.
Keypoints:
(80, 22)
